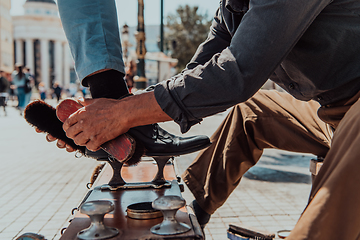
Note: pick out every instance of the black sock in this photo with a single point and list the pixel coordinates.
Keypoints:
(202, 216)
(107, 84)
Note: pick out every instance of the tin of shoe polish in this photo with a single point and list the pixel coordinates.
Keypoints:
(142, 210)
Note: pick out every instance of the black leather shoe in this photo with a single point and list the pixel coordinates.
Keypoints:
(202, 216)
(99, 155)
(159, 142)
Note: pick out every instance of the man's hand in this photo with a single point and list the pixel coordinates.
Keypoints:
(103, 119)
(97, 122)
(59, 144)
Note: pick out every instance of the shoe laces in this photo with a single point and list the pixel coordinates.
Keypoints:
(165, 138)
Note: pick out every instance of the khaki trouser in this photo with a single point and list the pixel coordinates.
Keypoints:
(272, 119)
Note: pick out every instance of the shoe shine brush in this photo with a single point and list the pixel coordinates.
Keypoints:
(123, 148)
(41, 115)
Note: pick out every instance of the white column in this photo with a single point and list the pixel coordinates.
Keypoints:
(19, 51)
(59, 63)
(44, 58)
(66, 68)
(30, 55)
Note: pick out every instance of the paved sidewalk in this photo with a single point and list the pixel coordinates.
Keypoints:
(41, 184)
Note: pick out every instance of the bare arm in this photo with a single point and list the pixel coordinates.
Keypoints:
(101, 120)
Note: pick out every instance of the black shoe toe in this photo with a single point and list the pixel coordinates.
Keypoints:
(99, 155)
(159, 142)
(202, 216)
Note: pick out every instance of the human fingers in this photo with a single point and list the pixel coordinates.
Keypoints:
(93, 144)
(62, 144)
(75, 132)
(50, 138)
(72, 119)
(69, 148)
(59, 144)
(86, 101)
(82, 139)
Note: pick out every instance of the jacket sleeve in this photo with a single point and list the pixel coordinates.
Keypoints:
(217, 40)
(243, 60)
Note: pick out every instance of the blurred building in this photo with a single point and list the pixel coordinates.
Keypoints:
(40, 43)
(6, 39)
(159, 67)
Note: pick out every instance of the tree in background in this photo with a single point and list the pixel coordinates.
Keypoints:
(187, 29)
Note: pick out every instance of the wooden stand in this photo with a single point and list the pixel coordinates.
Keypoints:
(121, 198)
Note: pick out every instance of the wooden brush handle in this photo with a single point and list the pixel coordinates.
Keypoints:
(67, 107)
(122, 147)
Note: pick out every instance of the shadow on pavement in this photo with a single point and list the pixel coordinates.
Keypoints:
(271, 175)
(296, 160)
(263, 173)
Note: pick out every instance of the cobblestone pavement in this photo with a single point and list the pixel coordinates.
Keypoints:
(41, 184)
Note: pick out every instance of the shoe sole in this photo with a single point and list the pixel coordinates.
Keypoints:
(155, 154)
(188, 151)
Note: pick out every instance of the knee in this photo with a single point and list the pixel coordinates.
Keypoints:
(351, 120)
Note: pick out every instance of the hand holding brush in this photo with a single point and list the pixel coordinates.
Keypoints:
(50, 120)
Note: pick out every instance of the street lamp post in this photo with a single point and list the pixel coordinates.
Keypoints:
(140, 79)
(161, 25)
(161, 37)
(125, 42)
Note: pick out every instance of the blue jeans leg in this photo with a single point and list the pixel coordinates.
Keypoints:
(92, 30)
(21, 98)
(27, 98)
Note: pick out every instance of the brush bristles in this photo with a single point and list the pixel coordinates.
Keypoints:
(138, 153)
(43, 116)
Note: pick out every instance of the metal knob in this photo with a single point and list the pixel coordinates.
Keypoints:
(169, 205)
(96, 210)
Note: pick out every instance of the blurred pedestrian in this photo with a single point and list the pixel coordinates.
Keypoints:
(12, 94)
(42, 91)
(22, 86)
(57, 90)
(4, 90)
(30, 75)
